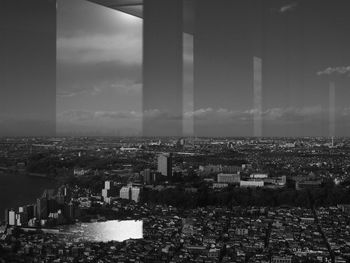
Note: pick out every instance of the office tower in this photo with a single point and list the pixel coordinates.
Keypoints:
(130, 192)
(71, 211)
(49, 194)
(108, 185)
(165, 164)
(63, 191)
(11, 217)
(109, 190)
(147, 177)
(52, 206)
(41, 208)
(135, 194)
(125, 192)
(6, 216)
(22, 216)
(22, 219)
(30, 211)
(60, 199)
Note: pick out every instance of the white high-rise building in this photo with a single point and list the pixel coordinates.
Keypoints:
(12, 218)
(165, 164)
(130, 192)
(108, 191)
(135, 194)
(108, 185)
(125, 192)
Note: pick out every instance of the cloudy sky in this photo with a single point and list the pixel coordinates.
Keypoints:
(304, 47)
(99, 82)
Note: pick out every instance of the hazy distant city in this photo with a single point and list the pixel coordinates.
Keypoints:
(178, 199)
(172, 131)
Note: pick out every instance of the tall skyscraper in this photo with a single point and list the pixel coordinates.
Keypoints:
(165, 164)
(130, 192)
(12, 217)
(135, 193)
(124, 192)
(147, 177)
(41, 208)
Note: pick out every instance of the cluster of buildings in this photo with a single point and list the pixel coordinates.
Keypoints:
(295, 234)
(111, 192)
(206, 234)
(335, 224)
(211, 234)
(253, 180)
(52, 208)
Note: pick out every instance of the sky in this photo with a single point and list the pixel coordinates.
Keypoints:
(304, 47)
(99, 72)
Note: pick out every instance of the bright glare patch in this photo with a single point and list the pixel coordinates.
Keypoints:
(127, 18)
(108, 231)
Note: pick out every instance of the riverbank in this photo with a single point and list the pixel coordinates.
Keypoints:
(21, 189)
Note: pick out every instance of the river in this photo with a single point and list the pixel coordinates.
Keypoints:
(18, 189)
(105, 231)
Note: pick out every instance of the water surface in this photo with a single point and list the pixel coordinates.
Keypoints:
(17, 190)
(106, 231)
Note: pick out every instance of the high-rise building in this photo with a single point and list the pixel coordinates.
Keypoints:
(71, 211)
(12, 217)
(6, 216)
(49, 194)
(30, 211)
(108, 185)
(130, 192)
(135, 194)
(125, 192)
(109, 190)
(147, 176)
(165, 164)
(41, 208)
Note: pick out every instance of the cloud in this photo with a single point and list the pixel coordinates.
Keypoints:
(210, 115)
(155, 114)
(95, 79)
(74, 116)
(209, 121)
(127, 86)
(289, 114)
(76, 91)
(100, 48)
(293, 114)
(346, 112)
(335, 70)
(288, 8)
(117, 115)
